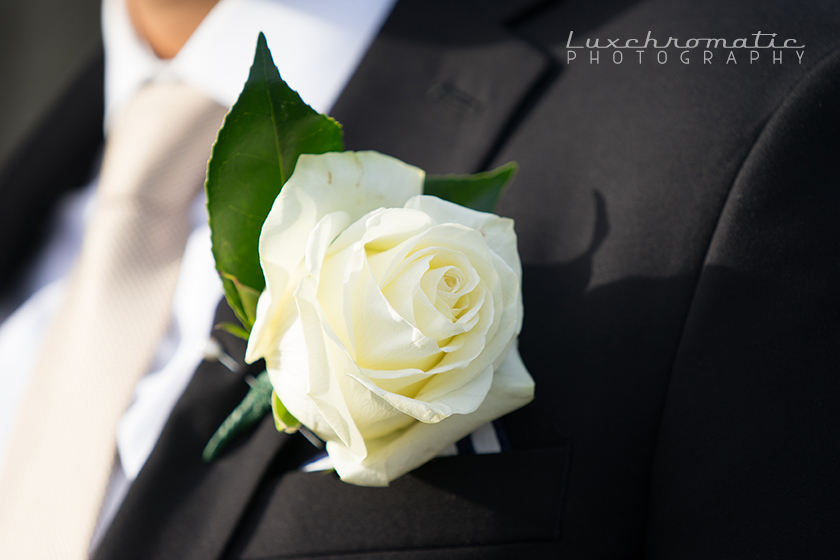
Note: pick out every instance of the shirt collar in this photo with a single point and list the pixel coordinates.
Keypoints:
(317, 45)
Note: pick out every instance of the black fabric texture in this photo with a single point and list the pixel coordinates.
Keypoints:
(745, 449)
(681, 253)
(56, 158)
(449, 502)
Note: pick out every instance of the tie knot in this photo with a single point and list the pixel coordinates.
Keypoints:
(157, 150)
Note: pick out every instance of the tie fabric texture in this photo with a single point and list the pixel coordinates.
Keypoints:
(105, 335)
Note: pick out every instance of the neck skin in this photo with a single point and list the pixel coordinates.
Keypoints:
(167, 24)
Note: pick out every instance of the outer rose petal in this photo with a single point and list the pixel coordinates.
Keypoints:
(392, 456)
(352, 182)
(497, 231)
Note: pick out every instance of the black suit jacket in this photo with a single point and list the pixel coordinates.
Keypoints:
(679, 230)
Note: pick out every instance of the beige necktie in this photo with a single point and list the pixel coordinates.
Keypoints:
(105, 335)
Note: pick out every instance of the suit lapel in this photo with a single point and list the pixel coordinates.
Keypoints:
(57, 157)
(441, 85)
(180, 507)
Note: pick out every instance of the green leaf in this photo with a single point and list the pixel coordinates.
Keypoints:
(283, 419)
(255, 153)
(246, 415)
(235, 330)
(245, 298)
(480, 191)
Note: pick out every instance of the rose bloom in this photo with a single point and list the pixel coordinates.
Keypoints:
(389, 319)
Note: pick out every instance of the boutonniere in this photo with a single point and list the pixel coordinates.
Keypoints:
(385, 302)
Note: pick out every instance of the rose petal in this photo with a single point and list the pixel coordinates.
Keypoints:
(404, 288)
(325, 363)
(465, 400)
(498, 231)
(289, 373)
(392, 456)
(352, 182)
(384, 339)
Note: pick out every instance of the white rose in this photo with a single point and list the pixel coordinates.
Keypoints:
(389, 319)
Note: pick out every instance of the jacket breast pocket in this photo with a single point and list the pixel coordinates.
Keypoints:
(452, 503)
